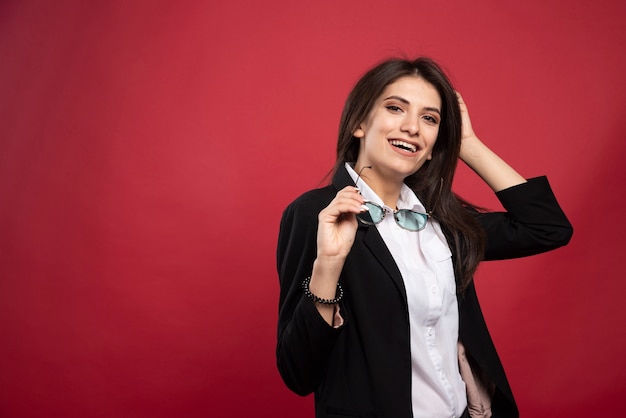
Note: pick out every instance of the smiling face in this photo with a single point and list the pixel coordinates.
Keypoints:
(399, 133)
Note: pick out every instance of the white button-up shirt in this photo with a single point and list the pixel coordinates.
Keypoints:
(424, 260)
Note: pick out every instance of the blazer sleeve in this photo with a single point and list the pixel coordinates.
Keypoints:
(305, 340)
(532, 224)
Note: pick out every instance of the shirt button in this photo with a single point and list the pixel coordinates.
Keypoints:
(434, 290)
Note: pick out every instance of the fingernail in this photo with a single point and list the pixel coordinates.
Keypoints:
(364, 208)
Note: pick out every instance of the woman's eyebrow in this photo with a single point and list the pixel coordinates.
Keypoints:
(405, 101)
(398, 98)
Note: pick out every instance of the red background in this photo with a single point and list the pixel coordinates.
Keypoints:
(148, 148)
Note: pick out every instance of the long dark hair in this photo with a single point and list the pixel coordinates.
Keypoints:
(432, 183)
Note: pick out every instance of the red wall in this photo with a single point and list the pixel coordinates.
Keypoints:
(147, 150)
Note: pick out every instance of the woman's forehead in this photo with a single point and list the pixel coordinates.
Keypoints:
(412, 88)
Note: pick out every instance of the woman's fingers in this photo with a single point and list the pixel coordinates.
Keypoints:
(348, 200)
(466, 124)
(337, 223)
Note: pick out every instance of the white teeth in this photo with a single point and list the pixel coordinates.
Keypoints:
(402, 144)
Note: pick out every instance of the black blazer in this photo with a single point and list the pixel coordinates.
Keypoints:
(363, 369)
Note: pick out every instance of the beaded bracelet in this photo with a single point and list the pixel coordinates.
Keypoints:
(308, 294)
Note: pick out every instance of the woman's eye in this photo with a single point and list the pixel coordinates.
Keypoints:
(394, 108)
(431, 119)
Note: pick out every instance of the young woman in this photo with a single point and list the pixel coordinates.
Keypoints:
(378, 314)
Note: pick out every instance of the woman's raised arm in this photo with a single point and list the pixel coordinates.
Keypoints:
(488, 165)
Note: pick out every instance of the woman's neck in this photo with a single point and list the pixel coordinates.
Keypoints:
(388, 195)
(386, 188)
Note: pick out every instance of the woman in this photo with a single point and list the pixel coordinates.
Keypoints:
(378, 313)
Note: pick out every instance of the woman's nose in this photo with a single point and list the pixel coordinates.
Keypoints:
(410, 125)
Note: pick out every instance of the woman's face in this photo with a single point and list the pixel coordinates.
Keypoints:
(399, 133)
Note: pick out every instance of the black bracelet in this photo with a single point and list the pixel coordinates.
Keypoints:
(308, 294)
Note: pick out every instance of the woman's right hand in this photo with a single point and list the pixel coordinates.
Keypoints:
(336, 230)
(337, 224)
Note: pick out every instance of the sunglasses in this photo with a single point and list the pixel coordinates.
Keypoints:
(408, 219)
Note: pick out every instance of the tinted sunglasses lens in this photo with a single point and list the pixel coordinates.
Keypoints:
(374, 215)
(413, 221)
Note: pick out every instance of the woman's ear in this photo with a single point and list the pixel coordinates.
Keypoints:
(359, 133)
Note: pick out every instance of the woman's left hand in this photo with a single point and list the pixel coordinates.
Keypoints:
(466, 129)
(491, 168)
